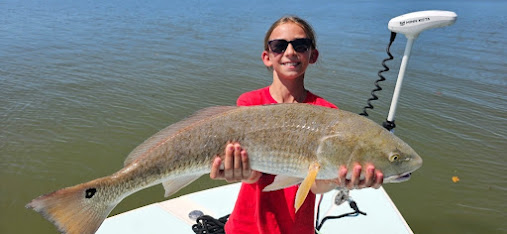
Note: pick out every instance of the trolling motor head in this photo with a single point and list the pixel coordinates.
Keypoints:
(412, 24)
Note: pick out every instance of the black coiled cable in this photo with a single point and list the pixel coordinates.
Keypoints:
(209, 225)
(378, 88)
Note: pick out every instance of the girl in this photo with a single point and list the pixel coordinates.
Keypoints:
(289, 47)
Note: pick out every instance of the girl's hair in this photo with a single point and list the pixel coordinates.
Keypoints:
(296, 20)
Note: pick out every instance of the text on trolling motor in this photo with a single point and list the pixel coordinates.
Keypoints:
(403, 23)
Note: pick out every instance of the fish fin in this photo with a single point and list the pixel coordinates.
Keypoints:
(166, 133)
(173, 186)
(282, 181)
(306, 185)
(73, 209)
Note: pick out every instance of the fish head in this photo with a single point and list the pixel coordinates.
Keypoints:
(395, 158)
(362, 141)
(402, 162)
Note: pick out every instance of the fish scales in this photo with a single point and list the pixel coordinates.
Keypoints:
(273, 137)
(284, 139)
(269, 132)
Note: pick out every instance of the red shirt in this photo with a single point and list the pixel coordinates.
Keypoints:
(271, 212)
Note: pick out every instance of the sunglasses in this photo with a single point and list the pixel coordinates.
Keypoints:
(300, 45)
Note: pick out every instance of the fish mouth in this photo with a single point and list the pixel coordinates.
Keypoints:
(404, 176)
(398, 178)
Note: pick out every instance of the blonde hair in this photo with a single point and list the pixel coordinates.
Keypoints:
(296, 20)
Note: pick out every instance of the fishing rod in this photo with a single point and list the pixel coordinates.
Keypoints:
(411, 25)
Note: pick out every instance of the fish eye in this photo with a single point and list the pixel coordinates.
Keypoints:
(394, 157)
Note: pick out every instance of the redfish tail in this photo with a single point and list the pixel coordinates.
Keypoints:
(76, 209)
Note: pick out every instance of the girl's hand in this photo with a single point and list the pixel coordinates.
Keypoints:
(372, 178)
(236, 166)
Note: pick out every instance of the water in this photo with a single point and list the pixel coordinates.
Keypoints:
(83, 83)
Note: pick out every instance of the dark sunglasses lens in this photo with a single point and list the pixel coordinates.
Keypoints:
(278, 46)
(301, 45)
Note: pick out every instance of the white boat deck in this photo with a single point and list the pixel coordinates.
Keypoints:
(171, 216)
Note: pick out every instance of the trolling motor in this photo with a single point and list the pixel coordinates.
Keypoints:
(411, 24)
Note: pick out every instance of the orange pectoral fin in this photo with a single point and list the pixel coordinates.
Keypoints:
(306, 185)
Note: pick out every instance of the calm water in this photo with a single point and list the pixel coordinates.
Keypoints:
(83, 83)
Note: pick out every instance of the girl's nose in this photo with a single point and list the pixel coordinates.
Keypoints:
(290, 50)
